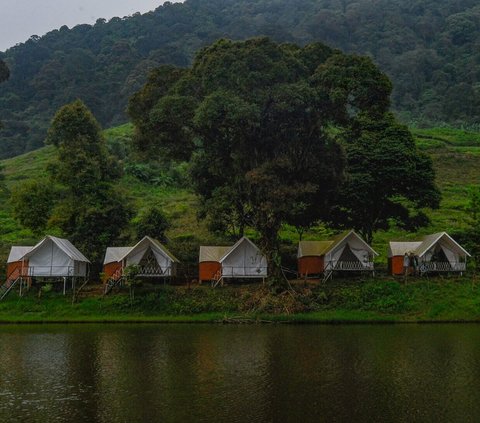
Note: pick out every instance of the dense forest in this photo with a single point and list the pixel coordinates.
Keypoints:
(428, 48)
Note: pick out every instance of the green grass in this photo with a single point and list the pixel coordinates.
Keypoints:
(341, 301)
(455, 153)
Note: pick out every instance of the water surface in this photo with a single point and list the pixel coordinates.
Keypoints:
(197, 373)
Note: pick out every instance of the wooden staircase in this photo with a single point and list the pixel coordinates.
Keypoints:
(328, 273)
(7, 287)
(77, 292)
(114, 281)
(217, 279)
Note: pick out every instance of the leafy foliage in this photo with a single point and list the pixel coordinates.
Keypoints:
(4, 71)
(473, 233)
(4, 75)
(32, 204)
(260, 125)
(253, 121)
(153, 223)
(427, 47)
(86, 208)
(389, 180)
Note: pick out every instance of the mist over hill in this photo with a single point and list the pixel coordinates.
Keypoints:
(428, 48)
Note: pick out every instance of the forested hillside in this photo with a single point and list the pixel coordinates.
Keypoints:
(428, 48)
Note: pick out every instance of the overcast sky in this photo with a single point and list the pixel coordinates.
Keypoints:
(20, 19)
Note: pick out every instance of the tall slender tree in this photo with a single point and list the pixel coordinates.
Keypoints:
(86, 207)
(91, 213)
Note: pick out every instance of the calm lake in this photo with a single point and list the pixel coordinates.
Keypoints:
(197, 373)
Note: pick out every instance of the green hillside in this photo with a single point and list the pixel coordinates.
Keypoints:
(456, 156)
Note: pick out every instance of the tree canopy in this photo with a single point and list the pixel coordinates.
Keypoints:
(389, 180)
(427, 47)
(251, 122)
(84, 204)
(152, 222)
(274, 133)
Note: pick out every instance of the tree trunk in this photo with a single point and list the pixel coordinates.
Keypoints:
(367, 235)
(270, 247)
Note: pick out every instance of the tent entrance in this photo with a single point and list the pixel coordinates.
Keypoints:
(439, 261)
(348, 261)
(149, 266)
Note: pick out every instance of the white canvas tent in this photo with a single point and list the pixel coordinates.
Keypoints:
(244, 260)
(437, 252)
(349, 252)
(51, 257)
(150, 255)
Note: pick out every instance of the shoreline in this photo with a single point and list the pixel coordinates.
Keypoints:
(233, 321)
(368, 302)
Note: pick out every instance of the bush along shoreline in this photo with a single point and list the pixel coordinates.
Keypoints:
(382, 300)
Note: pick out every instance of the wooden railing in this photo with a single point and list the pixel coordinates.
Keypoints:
(353, 266)
(154, 271)
(441, 266)
(50, 271)
(244, 271)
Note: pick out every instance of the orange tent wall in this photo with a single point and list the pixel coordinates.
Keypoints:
(11, 267)
(207, 270)
(312, 265)
(395, 265)
(110, 268)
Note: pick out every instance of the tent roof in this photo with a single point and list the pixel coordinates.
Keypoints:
(210, 253)
(343, 236)
(64, 244)
(430, 240)
(17, 253)
(236, 245)
(320, 248)
(116, 254)
(151, 242)
(400, 248)
(421, 247)
(313, 248)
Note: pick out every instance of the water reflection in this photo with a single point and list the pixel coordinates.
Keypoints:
(185, 373)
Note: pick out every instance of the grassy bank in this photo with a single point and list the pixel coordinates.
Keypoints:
(354, 301)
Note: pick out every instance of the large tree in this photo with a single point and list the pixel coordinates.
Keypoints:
(91, 213)
(389, 182)
(249, 116)
(86, 208)
(269, 129)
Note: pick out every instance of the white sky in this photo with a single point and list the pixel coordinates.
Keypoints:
(20, 19)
